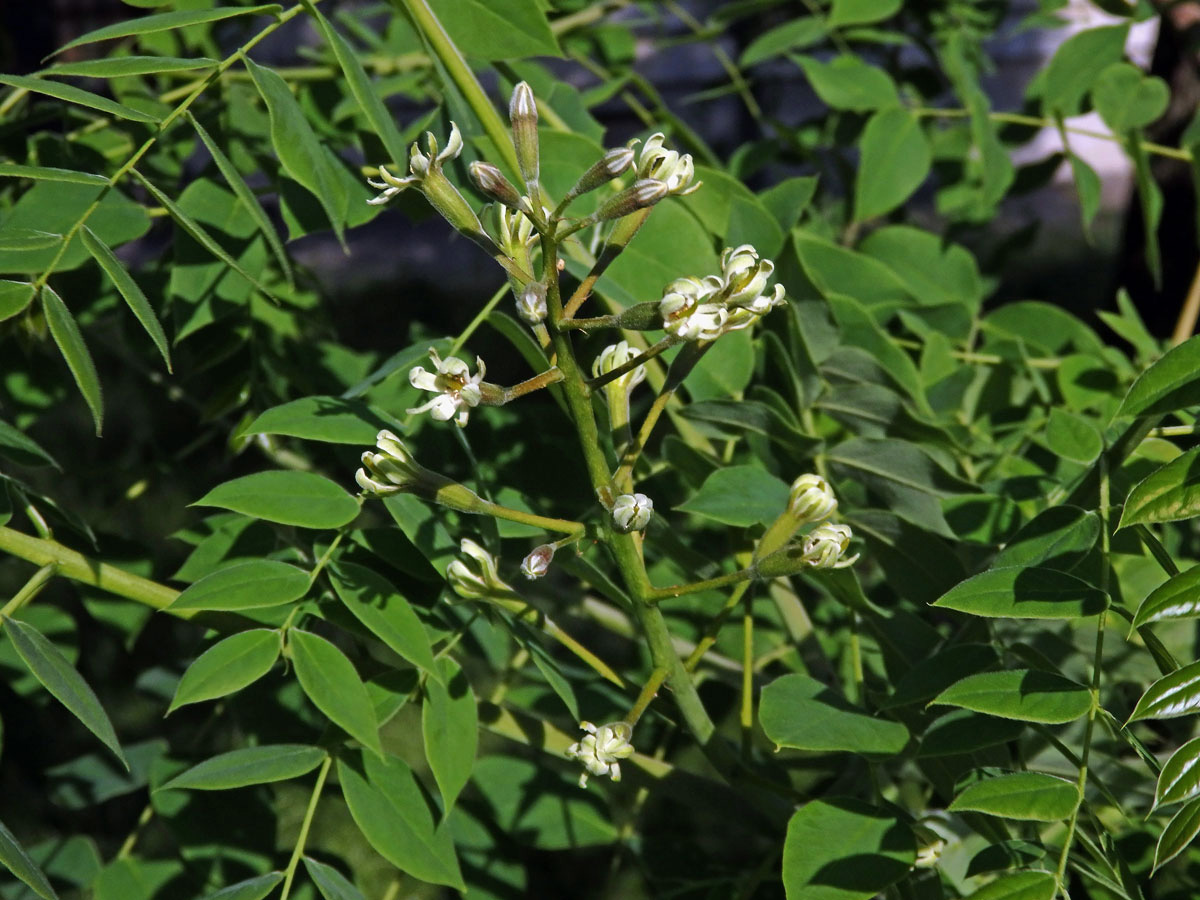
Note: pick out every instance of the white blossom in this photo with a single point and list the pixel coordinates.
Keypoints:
(632, 512)
(825, 546)
(456, 388)
(674, 169)
(811, 499)
(602, 749)
(419, 166)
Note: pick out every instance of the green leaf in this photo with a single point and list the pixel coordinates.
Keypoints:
(843, 849)
(1076, 66)
(198, 233)
(122, 66)
(896, 158)
(725, 369)
(1175, 694)
(1127, 98)
(861, 12)
(168, 21)
(739, 495)
(330, 882)
(249, 585)
(242, 190)
(69, 338)
(796, 34)
(1072, 437)
(1057, 538)
(71, 94)
(391, 811)
(128, 290)
(497, 29)
(963, 731)
(303, 156)
(1179, 833)
(329, 419)
(930, 676)
(28, 239)
(1171, 383)
(250, 889)
(1177, 598)
(860, 328)
(1011, 854)
(291, 498)
(1179, 779)
(846, 82)
(1026, 695)
(250, 765)
(49, 173)
(1019, 886)
(800, 712)
(228, 666)
(48, 665)
(21, 448)
(1019, 592)
(933, 270)
(376, 603)
(1026, 796)
(1169, 494)
(14, 858)
(369, 101)
(450, 725)
(15, 296)
(329, 680)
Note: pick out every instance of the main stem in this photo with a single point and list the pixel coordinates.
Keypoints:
(623, 546)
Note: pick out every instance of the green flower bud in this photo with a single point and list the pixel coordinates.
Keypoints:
(476, 578)
(811, 499)
(522, 113)
(644, 193)
(609, 166)
(491, 181)
(531, 305)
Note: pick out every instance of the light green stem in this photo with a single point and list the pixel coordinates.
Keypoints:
(31, 589)
(301, 838)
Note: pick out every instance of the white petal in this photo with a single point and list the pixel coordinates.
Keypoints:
(422, 380)
(443, 407)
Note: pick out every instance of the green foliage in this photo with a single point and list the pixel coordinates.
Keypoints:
(874, 586)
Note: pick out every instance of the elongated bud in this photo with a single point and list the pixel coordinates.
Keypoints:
(644, 193)
(522, 112)
(492, 182)
(531, 305)
(537, 563)
(476, 578)
(608, 167)
(811, 499)
(641, 317)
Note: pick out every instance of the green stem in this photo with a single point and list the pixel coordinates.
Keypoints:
(1045, 122)
(679, 590)
(594, 322)
(546, 523)
(77, 567)
(714, 627)
(298, 851)
(648, 693)
(667, 342)
(445, 50)
(1097, 668)
(31, 589)
(553, 375)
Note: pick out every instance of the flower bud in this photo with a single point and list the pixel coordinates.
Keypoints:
(825, 545)
(522, 112)
(492, 182)
(609, 166)
(613, 357)
(644, 193)
(537, 563)
(476, 578)
(811, 499)
(531, 304)
(391, 471)
(632, 512)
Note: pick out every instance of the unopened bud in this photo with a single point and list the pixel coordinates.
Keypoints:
(391, 471)
(522, 112)
(492, 182)
(531, 305)
(644, 193)
(811, 499)
(825, 546)
(608, 167)
(537, 563)
(632, 512)
(476, 578)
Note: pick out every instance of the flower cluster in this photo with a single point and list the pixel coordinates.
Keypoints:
(457, 389)
(703, 309)
(811, 501)
(602, 749)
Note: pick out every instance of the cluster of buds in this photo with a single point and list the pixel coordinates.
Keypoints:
(703, 309)
(476, 577)
(602, 749)
(632, 512)
(392, 470)
(811, 502)
(458, 391)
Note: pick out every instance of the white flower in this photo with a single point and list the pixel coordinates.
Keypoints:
(531, 304)
(476, 579)
(686, 312)
(632, 512)
(613, 357)
(825, 545)
(456, 388)
(602, 748)
(675, 170)
(537, 563)
(419, 165)
(811, 499)
(390, 471)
